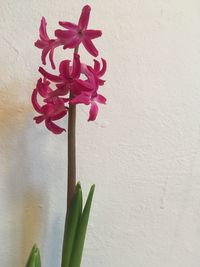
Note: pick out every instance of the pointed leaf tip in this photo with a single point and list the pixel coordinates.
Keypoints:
(78, 185)
(34, 258)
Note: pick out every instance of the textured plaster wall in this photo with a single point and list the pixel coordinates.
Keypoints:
(143, 152)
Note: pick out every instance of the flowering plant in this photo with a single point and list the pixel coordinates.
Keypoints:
(56, 96)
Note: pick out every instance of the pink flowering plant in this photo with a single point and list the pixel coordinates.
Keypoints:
(56, 96)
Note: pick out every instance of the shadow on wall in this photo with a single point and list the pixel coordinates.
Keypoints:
(22, 203)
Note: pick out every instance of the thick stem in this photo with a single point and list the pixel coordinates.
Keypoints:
(71, 179)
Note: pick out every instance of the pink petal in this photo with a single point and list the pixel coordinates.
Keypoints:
(45, 51)
(89, 46)
(43, 32)
(66, 35)
(100, 99)
(59, 116)
(93, 111)
(76, 66)
(35, 103)
(104, 67)
(68, 25)
(101, 82)
(54, 44)
(96, 65)
(64, 68)
(40, 44)
(92, 34)
(49, 76)
(53, 127)
(51, 58)
(38, 119)
(84, 18)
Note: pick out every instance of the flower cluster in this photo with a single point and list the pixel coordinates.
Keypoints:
(76, 82)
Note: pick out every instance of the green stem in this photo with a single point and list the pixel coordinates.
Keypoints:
(71, 178)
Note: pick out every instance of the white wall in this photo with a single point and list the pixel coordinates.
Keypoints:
(143, 152)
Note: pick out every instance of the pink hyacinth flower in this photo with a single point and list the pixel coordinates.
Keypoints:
(46, 44)
(94, 107)
(66, 80)
(92, 100)
(76, 34)
(50, 111)
(90, 96)
(93, 75)
(43, 87)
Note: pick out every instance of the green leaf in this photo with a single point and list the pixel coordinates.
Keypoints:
(34, 258)
(81, 232)
(71, 223)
